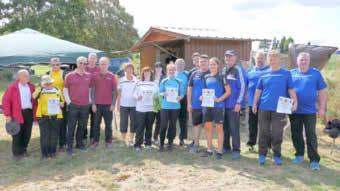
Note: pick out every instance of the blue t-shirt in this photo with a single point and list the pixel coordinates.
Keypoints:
(253, 75)
(236, 78)
(171, 82)
(307, 86)
(216, 82)
(273, 84)
(196, 81)
(184, 77)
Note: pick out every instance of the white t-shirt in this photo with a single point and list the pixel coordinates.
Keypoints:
(147, 90)
(25, 96)
(126, 88)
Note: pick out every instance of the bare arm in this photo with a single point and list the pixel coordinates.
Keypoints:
(67, 96)
(292, 95)
(322, 102)
(226, 94)
(256, 100)
(189, 97)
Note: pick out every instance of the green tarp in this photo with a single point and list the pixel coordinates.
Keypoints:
(28, 46)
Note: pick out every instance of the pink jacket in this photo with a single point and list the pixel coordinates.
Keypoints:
(11, 102)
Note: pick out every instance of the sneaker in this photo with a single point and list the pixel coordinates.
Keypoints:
(61, 149)
(138, 149)
(207, 154)
(148, 147)
(17, 158)
(277, 160)
(155, 141)
(53, 155)
(85, 141)
(235, 155)
(298, 159)
(262, 159)
(131, 144)
(191, 144)
(251, 148)
(170, 147)
(193, 149)
(161, 149)
(315, 165)
(219, 156)
(94, 146)
(181, 143)
(25, 154)
(108, 145)
(226, 151)
(69, 151)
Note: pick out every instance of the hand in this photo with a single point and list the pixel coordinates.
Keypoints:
(189, 108)
(94, 108)
(8, 119)
(179, 98)
(112, 107)
(254, 109)
(62, 105)
(139, 98)
(201, 98)
(118, 108)
(321, 113)
(237, 107)
(294, 106)
(217, 100)
(165, 94)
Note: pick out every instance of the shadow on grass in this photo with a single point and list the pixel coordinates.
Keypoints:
(65, 167)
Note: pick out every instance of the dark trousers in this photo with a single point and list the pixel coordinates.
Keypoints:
(92, 122)
(297, 123)
(103, 111)
(63, 128)
(77, 115)
(183, 119)
(127, 113)
(271, 126)
(144, 128)
(231, 127)
(49, 133)
(21, 140)
(252, 123)
(168, 125)
(157, 125)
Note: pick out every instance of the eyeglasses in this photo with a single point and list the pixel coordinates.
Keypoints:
(55, 64)
(82, 63)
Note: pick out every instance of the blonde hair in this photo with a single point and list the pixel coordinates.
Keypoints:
(170, 66)
(215, 59)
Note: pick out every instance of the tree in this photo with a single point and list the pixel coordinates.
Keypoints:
(104, 24)
(282, 42)
(286, 44)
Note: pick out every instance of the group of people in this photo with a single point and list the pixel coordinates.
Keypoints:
(213, 93)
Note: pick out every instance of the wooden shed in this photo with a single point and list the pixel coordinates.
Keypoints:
(165, 44)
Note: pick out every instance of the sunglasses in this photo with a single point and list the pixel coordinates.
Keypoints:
(83, 63)
(55, 64)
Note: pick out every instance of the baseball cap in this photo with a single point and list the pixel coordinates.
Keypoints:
(46, 79)
(230, 52)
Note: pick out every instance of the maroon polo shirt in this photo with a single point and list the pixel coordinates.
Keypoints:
(78, 87)
(92, 71)
(104, 85)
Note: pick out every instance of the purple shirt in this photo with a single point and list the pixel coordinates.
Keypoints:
(104, 85)
(78, 87)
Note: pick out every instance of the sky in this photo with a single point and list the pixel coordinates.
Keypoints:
(315, 21)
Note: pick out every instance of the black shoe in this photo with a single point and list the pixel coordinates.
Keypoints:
(219, 156)
(191, 144)
(161, 149)
(169, 147)
(69, 151)
(17, 157)
(181, 143)
(207, 154)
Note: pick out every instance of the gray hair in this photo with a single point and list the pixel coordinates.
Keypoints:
(55, 59)
(103, 59)
(20, 72)
(303, 54)
(81, 58)
(92, 54)
(261, 51)
(180, 61)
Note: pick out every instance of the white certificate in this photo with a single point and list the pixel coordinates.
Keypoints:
(284, 105)
(172, 95)
(53, 106)
(147, 97)
(208, 97)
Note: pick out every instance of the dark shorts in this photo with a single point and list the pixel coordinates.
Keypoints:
(213, 115)
(197, 117)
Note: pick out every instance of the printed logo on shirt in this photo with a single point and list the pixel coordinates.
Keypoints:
(231, 77)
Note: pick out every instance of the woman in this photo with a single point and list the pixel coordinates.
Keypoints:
(50, 101)
(172, 91)
(216, 82)
(159, 76)
(272, 85)
(144, 93)
(126, 103)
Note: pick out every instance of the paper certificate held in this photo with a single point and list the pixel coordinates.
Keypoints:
(284, 105)
(53, 106)
(172, 94)
(208, 97)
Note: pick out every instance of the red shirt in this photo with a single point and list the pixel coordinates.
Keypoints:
(11, 102)
(104, 85)
(92, 71)
(78, 87)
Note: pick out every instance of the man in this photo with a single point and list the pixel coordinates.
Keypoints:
(235, 76)
(182, 75)
(92, 69)
(310, 88)
(195, 61)
(271, 86)
(194, 92)
(105, 84)
(253, 75)
(58, 76)
(76, 93)
(18, 105)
